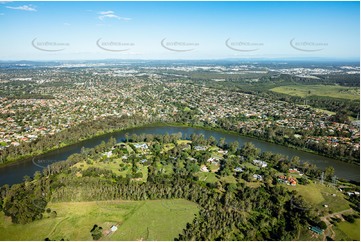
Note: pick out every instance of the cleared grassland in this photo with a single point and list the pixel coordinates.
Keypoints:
(136, 220)
(318, 195)
(207, 177)
(352, 230)
(352, 93)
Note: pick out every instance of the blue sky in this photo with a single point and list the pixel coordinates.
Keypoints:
(189, 30)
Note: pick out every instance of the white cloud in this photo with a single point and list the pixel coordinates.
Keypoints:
(111, 14)
(24, 8)
(107, 12)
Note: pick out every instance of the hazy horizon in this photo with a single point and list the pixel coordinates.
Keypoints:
(64, 31)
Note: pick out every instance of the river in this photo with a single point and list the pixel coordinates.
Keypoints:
(15, 172)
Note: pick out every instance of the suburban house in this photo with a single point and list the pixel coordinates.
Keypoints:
(199, 148)
(287, 180)
(204, 168)
(260, 163)
(108, 154)
(257, 177)
(143, 146)
(238, 169)
(213, 160)
(295, 171)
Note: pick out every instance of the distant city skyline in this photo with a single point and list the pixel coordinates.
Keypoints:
(179, 30)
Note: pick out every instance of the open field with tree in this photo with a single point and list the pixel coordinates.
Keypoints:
(319, 195)
(351, 230)
(352, 93)
(153, 220)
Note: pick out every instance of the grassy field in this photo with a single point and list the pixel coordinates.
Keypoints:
(207, 177)
(318, 195)
(352, 93)
(137, 220)
(351, 230)
(228, 179)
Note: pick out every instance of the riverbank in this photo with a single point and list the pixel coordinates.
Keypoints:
(162, 124)
(251, 136)
(15, 172)
(61, 145)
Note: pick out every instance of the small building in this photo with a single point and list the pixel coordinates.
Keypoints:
(260, 163)
(294, 170)
(192, 159)
(315, 229)
(238, 169)
(258, 177)
(114, 228)
(143, 146)
(213, 160)
(223, 152)
(199, 148)
(204, 168)
(108, 154)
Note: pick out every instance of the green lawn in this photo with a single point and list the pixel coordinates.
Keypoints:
(107, 165)
(319, 195)
(351, 230)
(352, 93)
(167, 147)
(182, 142)
(147, 220)
(250, 165)
(168, 169)
(324, 111)
(254, 184)
(144, 170)
(228, 179)
(207, 177)
(214, 167)
(157, 220)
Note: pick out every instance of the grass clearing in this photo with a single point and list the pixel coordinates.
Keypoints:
(352, 230)
(158, 220)
(151, 219)
(319, 195)
(167, 147)
(229, 179)
(250, 166)
(351, 93)
(254, 184)
(207, 177)
(168, 169)
(325, 111)
(183, 142)
(112, 165)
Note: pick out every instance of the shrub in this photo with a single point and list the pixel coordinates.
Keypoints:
(322, 225)
(96, 232)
